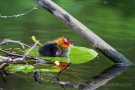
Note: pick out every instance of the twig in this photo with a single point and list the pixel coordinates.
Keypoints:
(35, 7)
(27, 53)
(37, 76)
(18, 42)
(3, 66)
(12, 41)
(9, 59)
(3, 78)
(3, 70)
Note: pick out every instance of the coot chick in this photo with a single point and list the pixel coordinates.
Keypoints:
(58, 47)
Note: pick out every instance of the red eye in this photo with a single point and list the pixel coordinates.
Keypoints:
(66, 41)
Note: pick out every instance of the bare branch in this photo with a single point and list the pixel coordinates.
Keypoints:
(25, 13)
(27, 53)
(9, 59)
(12, 41)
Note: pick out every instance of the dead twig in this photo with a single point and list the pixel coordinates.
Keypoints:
(37, 76)
(18, 15)
(12, 41)
(2, 70)
(27, 53)
(12, 59)
(18, 42)
(9, 59)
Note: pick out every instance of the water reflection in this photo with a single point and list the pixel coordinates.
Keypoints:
(103, 77)
(98, 80)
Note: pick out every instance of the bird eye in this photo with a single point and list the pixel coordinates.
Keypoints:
(65, 40)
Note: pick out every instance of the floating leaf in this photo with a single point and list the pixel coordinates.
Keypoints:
(28, 68)
(49, 70)
(81, 54)
(20, 68)
(77, 55)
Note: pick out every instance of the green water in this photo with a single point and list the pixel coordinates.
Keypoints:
(112, 20)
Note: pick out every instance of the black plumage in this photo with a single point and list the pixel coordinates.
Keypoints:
(52, 49)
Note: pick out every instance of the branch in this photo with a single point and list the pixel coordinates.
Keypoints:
(12, 41)
(18, 15)
(27, 53)
(78, 27)
(9, 59)
(2, 69)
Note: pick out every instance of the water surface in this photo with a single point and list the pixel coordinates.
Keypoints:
(112, 20)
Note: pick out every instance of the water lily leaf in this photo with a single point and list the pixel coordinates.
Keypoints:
(28, 68)
(81, 54)
(20, 68)
(49, 70)
(77, 55)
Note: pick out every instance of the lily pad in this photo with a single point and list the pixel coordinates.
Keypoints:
(77, 55)
(49, 70)
(28, 68)
(81, 54)
(20, 68)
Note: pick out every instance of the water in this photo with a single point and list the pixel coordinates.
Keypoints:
(112, 20)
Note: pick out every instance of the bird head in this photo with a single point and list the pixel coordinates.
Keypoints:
(62, 42)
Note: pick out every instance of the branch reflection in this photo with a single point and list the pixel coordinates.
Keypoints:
(98, 80)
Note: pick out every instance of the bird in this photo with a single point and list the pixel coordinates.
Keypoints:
(57, 47)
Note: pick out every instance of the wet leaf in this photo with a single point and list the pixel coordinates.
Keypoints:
(28, 68)
(20, 68)
(77, 55)
(49, 70)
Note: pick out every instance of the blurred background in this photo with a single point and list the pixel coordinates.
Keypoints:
(112, 20)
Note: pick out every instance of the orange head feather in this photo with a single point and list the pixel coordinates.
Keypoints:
(62, 42)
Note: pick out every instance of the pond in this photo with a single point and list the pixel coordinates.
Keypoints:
(111, 20)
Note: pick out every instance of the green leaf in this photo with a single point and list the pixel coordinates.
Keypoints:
(81, 54)
(20, 68)
(77, 55)
(28, 68)
(49, 70)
